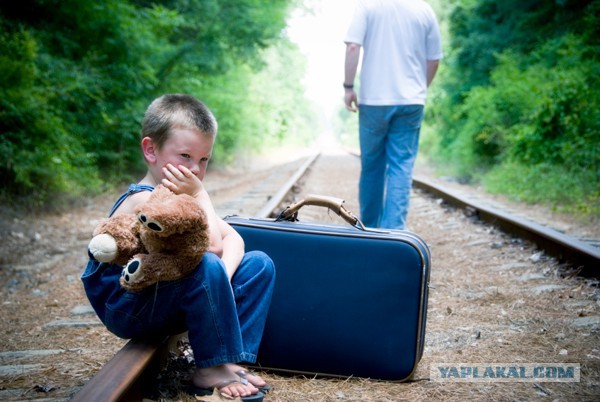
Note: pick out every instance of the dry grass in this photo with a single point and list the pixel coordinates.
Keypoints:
(492, 299)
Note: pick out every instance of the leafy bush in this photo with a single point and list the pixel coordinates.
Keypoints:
(529, 114)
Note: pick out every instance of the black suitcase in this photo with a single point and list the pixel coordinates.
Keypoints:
(348, 300)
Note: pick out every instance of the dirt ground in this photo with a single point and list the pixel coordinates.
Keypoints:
(493, 299)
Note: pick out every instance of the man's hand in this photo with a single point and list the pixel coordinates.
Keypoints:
(350, 67)
(351, 100)
(181, 180)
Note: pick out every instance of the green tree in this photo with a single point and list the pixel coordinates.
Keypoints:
(76, 76)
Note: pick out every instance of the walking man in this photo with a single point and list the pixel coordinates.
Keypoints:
(402, 48)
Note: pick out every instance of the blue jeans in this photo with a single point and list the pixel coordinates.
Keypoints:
(389, 141)
(224, 321)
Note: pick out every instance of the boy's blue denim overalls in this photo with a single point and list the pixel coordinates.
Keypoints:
(221, 328)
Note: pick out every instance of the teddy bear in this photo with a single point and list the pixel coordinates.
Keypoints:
(164, 240)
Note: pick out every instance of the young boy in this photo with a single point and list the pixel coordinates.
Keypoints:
(223, 304)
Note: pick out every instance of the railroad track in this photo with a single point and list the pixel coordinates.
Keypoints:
(123, 377)
(566, 249)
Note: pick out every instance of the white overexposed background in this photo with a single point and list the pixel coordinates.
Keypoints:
(319, 29)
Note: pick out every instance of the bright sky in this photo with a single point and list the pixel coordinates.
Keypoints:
(320, 33)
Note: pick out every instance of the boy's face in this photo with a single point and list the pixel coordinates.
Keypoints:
(184, 146)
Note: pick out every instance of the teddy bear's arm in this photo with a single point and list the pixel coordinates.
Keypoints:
(146, 269)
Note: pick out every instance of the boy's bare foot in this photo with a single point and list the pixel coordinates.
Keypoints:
(217, 376)
(248, 375)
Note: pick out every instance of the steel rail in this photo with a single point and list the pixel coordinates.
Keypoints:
(564, 248)
(123, 377)
(279, 196)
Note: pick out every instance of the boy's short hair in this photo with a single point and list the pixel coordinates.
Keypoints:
(176, 111)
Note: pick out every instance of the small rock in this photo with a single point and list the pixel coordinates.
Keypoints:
(82, 309)
(476, 243)
(546, 288)
(586, 321)
(18, 369)
(512, 265)
(529, 277)
(29, 353)
(72, 324)
(577, 304)
(45, 388)
(537, 257)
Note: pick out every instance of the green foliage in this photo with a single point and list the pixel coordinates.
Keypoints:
(521, 94)
(566, 189)
(77, 75)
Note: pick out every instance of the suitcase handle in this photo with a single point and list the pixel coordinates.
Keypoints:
(333, 203)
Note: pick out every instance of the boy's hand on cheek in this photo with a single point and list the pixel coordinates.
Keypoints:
(181, 180)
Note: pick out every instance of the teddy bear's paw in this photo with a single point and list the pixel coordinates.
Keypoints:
(103, 247)
(131, 270)
(150, 223)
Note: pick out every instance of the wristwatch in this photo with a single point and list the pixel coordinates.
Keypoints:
(348, 86)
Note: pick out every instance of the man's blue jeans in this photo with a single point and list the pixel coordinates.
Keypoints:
(389, 141)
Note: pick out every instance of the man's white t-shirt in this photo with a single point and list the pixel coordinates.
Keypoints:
(397, 37)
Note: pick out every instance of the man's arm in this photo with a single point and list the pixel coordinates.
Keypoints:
(432, 67)
(350, 68)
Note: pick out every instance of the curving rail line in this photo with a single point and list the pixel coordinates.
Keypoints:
(138, 362)
(565, 249)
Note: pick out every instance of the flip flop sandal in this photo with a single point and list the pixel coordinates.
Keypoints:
(245, 373)
(199, 391)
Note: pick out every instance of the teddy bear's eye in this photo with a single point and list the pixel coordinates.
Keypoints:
(154, 226)
(149, 223)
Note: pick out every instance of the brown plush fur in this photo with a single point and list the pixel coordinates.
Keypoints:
(158, 255)
(125, 230)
